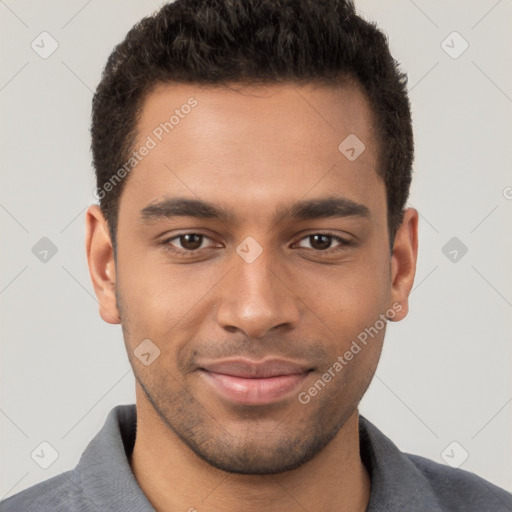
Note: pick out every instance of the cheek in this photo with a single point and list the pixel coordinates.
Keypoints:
(157, 297)
(353, 300)
(356, 292)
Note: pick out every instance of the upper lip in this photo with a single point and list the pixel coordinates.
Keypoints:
(251, 369)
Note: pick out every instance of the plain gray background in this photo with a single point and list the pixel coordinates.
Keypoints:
(445, 371)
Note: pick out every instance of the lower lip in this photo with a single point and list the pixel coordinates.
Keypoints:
(254, 391)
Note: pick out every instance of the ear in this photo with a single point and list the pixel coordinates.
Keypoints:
(403, 262)
(100, 258)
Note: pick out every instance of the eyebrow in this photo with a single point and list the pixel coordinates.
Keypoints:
(323, 208)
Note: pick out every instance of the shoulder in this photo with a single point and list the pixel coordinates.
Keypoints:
(405, 481)
(57, 494)
(461, 490)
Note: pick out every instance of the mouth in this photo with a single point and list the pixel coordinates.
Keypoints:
(247, 382)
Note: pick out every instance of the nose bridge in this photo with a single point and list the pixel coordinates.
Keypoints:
(254, 298)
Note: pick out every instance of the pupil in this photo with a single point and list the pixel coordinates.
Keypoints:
(189, 244)
(325, 244)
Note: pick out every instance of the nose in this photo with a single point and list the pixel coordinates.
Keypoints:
(257, 297)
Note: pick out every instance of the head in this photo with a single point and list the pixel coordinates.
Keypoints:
(253, 162)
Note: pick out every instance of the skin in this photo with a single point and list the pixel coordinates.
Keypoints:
(251, 150)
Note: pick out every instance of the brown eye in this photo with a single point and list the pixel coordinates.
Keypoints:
(320, 242)
(191, 241)
(186, 243)
(323, 241)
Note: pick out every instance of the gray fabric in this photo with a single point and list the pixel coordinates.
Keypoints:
(103, 480)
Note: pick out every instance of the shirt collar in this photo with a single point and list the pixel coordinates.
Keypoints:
(106, 478)
(104, 472)
(396, 482)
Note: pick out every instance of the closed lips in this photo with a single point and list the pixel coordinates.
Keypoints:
(255, 369)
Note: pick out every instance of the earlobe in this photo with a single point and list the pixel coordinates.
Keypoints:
(403, 262)
(100, 258)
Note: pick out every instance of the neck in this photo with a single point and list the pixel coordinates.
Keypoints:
(174, 478)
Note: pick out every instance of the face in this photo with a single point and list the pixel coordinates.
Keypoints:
(250, 245)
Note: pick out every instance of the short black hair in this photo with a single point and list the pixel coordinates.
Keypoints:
(216, 42)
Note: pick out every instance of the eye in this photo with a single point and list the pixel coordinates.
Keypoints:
(322, 242)
(189, 242)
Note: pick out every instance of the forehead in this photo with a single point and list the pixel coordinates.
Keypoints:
(256, 114)
(253, 145)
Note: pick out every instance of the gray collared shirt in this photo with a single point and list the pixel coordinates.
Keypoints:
(104, 481)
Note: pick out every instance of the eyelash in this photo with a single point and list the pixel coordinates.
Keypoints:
(184, 252)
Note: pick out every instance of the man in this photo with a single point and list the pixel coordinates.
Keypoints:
(253, 162)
